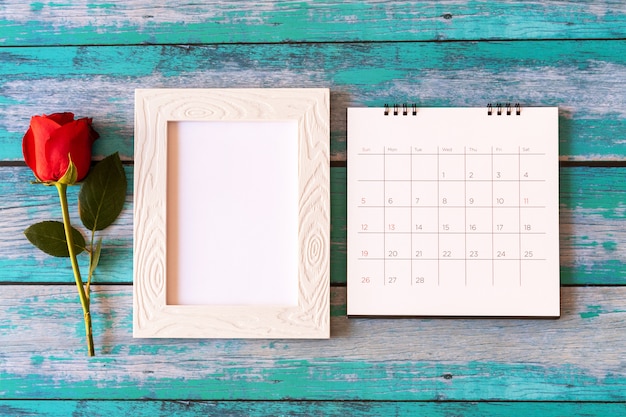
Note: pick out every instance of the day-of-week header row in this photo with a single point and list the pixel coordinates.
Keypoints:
(447, 150)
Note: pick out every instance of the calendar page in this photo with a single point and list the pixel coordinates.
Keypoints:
(453, 212)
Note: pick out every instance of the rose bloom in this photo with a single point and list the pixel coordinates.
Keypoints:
(51, 139)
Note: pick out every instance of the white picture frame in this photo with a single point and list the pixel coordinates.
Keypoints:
(293, 119)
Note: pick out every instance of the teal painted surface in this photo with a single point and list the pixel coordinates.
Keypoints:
(25, 203)
(53, 57)
(298, 408)
(585, 79)
(580, 357)
(118, 22)
(593, 236)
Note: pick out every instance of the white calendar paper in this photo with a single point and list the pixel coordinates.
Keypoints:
(453, 212)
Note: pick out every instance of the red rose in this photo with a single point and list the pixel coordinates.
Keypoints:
(51, 139)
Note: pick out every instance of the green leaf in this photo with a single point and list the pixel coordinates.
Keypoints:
(49, 236)
(102, 193)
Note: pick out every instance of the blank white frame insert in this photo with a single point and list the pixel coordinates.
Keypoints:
(236, 242)
(232, 213)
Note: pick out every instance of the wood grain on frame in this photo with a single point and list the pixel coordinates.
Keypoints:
(152, 316)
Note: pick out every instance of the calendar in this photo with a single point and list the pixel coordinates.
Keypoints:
(453, 212)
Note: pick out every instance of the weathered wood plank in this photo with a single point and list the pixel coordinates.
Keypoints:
(24, 203)
(560, 53)
(86, 408)
(592, 229)
(579, 357)
(591, 222)
(135, 22)
(584, 78)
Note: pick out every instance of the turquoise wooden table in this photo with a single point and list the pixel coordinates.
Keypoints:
(88, 57)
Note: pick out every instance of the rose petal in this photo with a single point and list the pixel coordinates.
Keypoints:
(73, 138)
(29, 151)
(92, 132)
(61, 118)
(43, 128)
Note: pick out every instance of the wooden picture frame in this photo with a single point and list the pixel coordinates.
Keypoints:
(302, 117)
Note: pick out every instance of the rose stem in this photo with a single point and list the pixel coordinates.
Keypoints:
(62, 188)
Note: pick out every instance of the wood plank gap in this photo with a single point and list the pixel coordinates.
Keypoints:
(125, 284)
(562, 164)
(343, 163)
(63, 284)
(12, 164)
(304, 43)
(297, 401)
(22, 164)
(594, 164)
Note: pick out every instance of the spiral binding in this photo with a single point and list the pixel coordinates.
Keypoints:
(500, 109)
(396, 109)
(507, 108)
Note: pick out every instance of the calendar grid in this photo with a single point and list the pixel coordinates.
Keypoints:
(384, 219)
(519, 214)
(411, 214)
(465, 211)
(388, 208)
(438, 223)
(493, 243)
